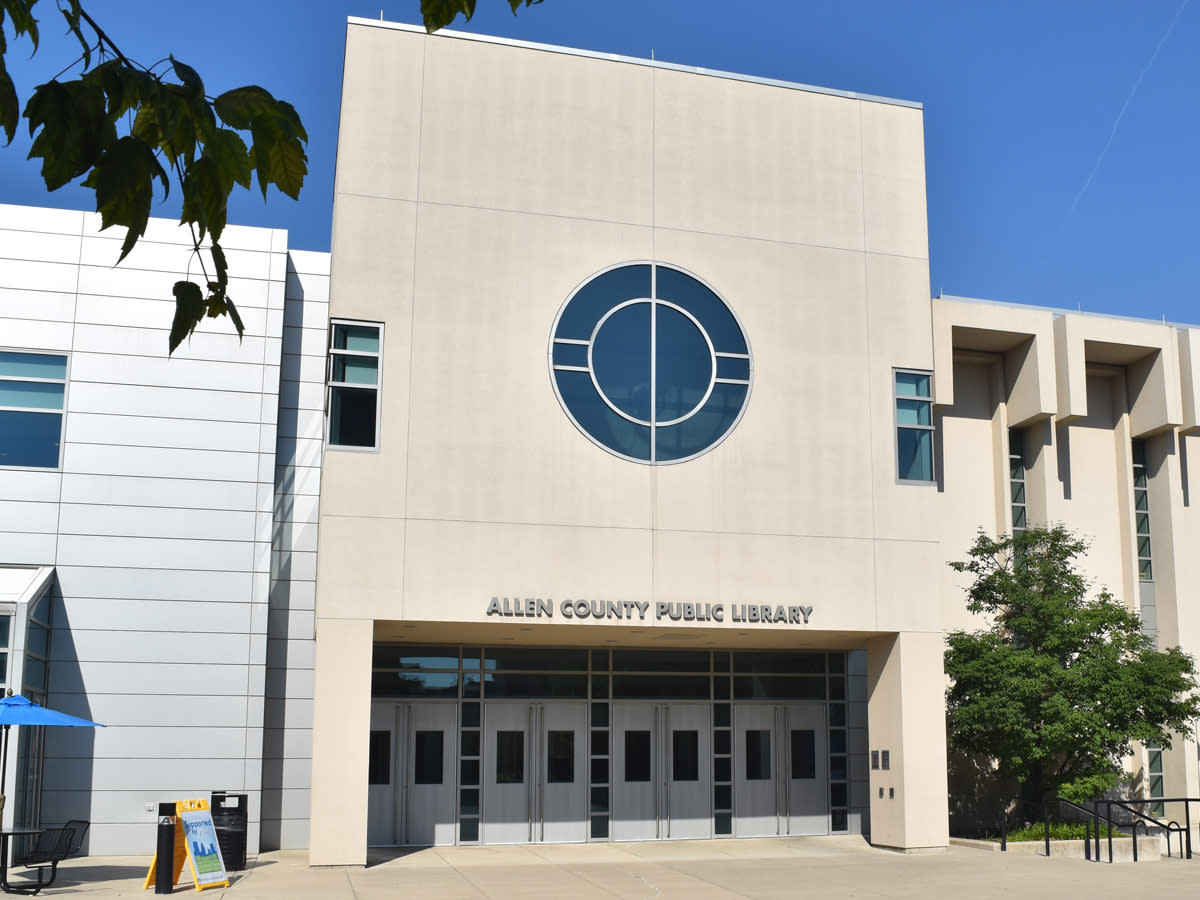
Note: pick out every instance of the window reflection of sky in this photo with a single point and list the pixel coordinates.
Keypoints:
(650, 363)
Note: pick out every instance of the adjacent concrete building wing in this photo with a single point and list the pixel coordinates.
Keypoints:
(175, 507)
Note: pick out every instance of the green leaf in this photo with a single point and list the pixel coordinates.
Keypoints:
(123, 179)
(241, 106)
(235, 318)
(440, 13)
(188, 76)
(124, 86)
(220, 265)
(72, 129)
(204, 201)
(189, 310)
(9, 104)
(192, 92)
(278, 158)
(73, 14)
(20, 12)
(516, 4)
(23, 22)
(277, 152)
(228, 153)
(175, 122)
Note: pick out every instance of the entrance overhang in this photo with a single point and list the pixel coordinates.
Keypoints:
(588, 634)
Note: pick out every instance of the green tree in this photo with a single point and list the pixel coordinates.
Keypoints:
(1060, 686)
(127, 128)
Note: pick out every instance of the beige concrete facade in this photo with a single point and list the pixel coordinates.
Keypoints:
(1081, 391)
(480, 183)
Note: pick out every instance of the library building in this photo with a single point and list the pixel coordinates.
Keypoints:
(598, 485)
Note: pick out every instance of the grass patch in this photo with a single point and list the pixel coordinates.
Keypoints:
(1059, 831)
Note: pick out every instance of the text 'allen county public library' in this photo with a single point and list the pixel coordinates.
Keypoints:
(595, 487)
(630, 609)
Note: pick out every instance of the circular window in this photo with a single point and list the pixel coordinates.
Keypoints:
(650, 363)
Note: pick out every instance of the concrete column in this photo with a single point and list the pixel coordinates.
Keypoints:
(341, 736)
(906, 718)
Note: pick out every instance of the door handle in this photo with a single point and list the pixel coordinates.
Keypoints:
(655, 766)
(400, 767)
(667, 762)
(530, 768)
(543, 766)
(778, 773)
(786, 767)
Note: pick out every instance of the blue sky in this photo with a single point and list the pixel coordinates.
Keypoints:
(1062, 136)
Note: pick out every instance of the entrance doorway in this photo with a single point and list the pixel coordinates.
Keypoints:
(661, 771)
(410, 794)
(780, 777)
(534, 773)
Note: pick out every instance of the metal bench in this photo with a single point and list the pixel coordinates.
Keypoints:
(80, 827)
(50, 847)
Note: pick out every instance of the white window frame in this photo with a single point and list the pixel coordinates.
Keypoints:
(896, 426)
(61, 413)
(330, 384)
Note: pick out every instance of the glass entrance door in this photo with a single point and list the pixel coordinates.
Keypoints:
(534, 782)
(662, 761)
(780, 773)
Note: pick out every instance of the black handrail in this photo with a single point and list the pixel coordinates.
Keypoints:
(1184, 832)
(1091, 828)
(1133, 831)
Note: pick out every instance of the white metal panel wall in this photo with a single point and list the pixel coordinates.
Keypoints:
(287, 737)
(172, 570)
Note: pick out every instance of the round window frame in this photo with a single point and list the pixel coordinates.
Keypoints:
(653, 264)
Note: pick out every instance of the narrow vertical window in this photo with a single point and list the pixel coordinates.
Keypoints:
(560, 757)
(510, 757)
(1154, 772)
(32, 391)
(379, 758)
(804, 752)
(637, 756)
(427, 757)
(1016, 480)
(758, 755)
(914, 425)
(1141, 511)
(685, 756)
(354, 367)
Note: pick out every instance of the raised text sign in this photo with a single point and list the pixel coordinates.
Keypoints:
(641, 610)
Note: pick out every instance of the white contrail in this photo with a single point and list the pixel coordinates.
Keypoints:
(1128, 100)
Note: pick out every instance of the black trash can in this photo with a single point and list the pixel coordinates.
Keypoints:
(230, 819)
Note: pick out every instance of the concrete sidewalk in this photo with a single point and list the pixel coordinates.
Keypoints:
(828, 867)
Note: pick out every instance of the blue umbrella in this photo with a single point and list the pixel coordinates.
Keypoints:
(18, 710)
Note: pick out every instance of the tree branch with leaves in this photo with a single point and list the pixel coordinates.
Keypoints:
(1061, 684)
(126, 128)
(440, 13)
